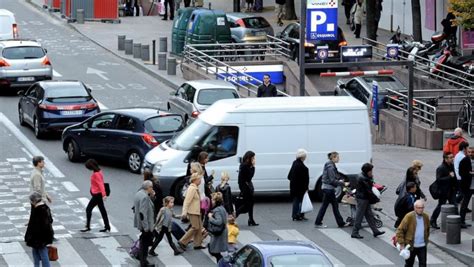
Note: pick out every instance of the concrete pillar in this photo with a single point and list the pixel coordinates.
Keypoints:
(172, 66)
(446, 209)
(161, 61)
(453, 229)
(145, 52)
(163, 44)
(121, 42)
(128, 46)
(80, 16)
(137, 50)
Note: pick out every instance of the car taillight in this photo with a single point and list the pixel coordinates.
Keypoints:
(46, 61)
(149, 139)
(48, 107)
(195, 114)
(4, 63)
(15, 31)
(89, 106)
(240, 22)
(343, 43)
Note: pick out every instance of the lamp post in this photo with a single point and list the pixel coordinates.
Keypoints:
(301, 49)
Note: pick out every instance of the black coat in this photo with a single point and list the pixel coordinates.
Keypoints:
(227, 196)
(299, 179)
(266, 91)
(39, 232)
(465, 169)
(246, 173)
(446, 183)
(364, 187)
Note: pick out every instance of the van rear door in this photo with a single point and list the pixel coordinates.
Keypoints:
(8, 26)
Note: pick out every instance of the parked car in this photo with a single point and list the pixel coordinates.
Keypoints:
(279, 253)
(247, 28)
(22, 63)
(291, 34)
(361, 88)
(122, 134)
(8, 26)
(193, 97)
(54, 105)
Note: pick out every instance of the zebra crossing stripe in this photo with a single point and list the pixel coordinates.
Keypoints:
(358, 248)
(70, 186)
(108, 247)
(14, 254)
(246, 237)
(84, 201)
(295, 235)
(166, 255)
(68, 255)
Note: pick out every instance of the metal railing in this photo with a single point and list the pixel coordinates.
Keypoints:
(422, 111)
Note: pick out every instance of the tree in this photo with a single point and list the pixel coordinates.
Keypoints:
(370, 27)
(416, 18)
(290, 9)
(464, 12)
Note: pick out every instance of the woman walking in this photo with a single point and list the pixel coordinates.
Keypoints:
(203, 158)
(158, 198)
(357, 11)
(98, 195)
(246, 172)
(299, 181)
(191, 210)
(224, 188)
(217, 227)
(39, 232)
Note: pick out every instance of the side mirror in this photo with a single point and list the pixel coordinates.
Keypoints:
(89, 89)
(342, 86)
(21, 92)
(85, 126)
(45, 50)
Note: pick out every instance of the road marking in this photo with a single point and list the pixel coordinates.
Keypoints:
(295, 235)
(56, 74)
(27, 152)
(30, 146)
(358, 248)
(97, 72)
(14, 254)
(102, 106)
(247, 237)
(68, 255)
(70, 186)
(109, 247)
(166, 255)
(85, 201)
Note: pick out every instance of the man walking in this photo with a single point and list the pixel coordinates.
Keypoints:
(169, 7)
(280, 11)
(462, 153)
(452, 145)
(266, 89)
(144, 219)
(37, 182)
(465, 171)
(414, 230)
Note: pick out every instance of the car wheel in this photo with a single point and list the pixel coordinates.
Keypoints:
(38, 132)
(21, 116)
(135, 161)
(73, 151)
(178, 191)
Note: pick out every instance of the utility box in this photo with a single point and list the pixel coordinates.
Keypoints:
(180, 24)
(208, 27)
(54, 5)
(93, 9)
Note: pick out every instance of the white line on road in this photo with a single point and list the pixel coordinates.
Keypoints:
(30, 146)
(109, 247)
(69, 256)
(247, 237)
(99, 73)
(70, 186)
(27, 152)
(56, 74)
(14, 254)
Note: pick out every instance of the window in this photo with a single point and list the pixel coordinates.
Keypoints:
(164, 124)
(209, 96)
(126, 123)
(32, 92)
(103, 122)
(294, 33)
(356, 91)
(190, 91)
(181, 93)
(220, 142)
(186, 140)
(23, 52)
(256, 23)
(247, 257)
(309, 260)
(69, 91)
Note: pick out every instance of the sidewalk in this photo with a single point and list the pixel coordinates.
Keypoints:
(145, 29)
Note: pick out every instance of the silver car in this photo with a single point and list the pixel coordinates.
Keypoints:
(193, 97)
(22, 63)
(246, 28)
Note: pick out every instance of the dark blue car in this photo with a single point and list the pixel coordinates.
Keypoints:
(123, 134)
(54, 105)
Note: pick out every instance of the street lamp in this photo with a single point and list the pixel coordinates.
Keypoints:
(301, 49)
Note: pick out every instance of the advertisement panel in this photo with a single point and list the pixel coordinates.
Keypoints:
(321, 20)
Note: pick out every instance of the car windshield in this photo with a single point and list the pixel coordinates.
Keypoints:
(256, 23)
(209, 96)
(385, 82)
(300, 260)
(164, 124)
(190, 136)
(23, 52)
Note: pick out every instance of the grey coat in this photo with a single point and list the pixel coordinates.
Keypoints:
(330, 176)
(219, 243)
(37, 184)
(144, 212)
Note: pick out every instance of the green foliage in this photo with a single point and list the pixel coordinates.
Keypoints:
(464, 12)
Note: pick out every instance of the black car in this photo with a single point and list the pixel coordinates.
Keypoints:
(122, 134)
(54, 105)
(291, 35)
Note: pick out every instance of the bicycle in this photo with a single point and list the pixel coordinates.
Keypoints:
(465, 119)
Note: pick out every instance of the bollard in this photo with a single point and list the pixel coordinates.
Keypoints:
(446, 209)
(153, 51)
(80, 16)
(121, 42)
(453, 229)
(473, 245)
(161, 61)
(137, 50)
(145, 52)
(128, 46)
(163, 44)
(472, 208)
(171, 66)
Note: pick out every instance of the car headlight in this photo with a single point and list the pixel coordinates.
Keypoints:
(156, 169)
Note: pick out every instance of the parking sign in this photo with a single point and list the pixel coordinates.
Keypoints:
(321, 20)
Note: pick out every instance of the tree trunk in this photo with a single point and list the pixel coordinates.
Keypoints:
(290, 10)
(370, 27)
(416, 18)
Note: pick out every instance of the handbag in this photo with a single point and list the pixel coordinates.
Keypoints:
(434, 190)
(107, 189)
(205, 204)
(53, 253)
(240, 206)
(306, 205)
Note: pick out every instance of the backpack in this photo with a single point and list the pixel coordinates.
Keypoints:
(135, 249)
(434, 190)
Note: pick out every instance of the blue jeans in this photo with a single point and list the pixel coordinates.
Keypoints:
(296, 212)
(41, 254)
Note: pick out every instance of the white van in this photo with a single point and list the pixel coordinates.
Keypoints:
(274, 128)
(8, 26)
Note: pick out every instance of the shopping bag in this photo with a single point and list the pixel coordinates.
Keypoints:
(306, 205)
(52, 253)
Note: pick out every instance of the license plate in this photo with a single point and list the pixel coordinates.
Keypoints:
(71, 112)
(261, 33)
(26, 79)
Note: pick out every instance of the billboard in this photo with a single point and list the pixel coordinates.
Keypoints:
(321, 20)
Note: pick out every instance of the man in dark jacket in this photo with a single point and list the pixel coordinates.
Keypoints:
(299, 182)
(364, 197)
(405, 204)
(465, 171)
(446, 180)
(266, 89)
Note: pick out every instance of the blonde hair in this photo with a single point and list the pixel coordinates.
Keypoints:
(196, 167)
(224, 178)
(417, 164)
(194, 177)
(167, 200)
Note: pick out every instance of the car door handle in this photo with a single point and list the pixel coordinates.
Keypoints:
(103, 135)
(125, 137)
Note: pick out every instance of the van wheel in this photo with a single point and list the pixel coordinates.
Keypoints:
(134, 160)
(178, 191)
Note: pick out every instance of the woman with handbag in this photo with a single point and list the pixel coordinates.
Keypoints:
(39, 233)
(217, 227)
(246, 172)
(98, 196)
(299, 182)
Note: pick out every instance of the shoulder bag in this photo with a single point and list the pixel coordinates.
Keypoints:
(434, 189)
(53, 253)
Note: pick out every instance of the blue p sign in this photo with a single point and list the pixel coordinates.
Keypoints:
(321, 21)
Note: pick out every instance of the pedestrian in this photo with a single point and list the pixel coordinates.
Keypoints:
(246, 173)
(233, 233)
(348, 4)
(411, 176)
(136, 6)
(169, 6)
(192, 211)
(365, 197)
(452, 144)
(266, 89)
(39, 233)
(97, 191)
(249, 5)
(417, 165)
(143, 219)
(449, 26)
(331, 179)
(158, 198)
(218, 227)
(280, 11)
(446, 180)
(226, 191)
(163, 226)
(258, 6)
(299, 182)
(462, 153)
(405, 204)
(187, 3)
(203, 159)
(378, 14)
(414, 230)
(465, 184)
(37, 181)
(357, 12)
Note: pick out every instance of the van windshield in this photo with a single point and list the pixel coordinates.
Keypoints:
(190, 136)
